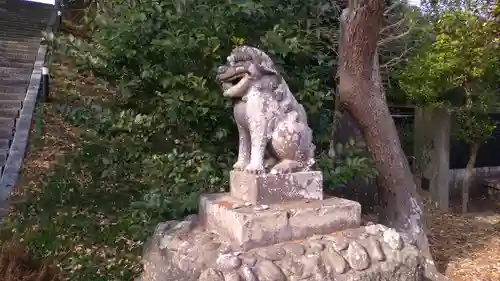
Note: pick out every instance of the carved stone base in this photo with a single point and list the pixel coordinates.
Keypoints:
(270, 188)
(247, 227)
(184, 251)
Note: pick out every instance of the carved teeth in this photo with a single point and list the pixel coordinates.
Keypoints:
(237, 77)
(238, 89)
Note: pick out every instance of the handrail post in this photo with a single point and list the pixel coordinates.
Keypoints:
(58, 8)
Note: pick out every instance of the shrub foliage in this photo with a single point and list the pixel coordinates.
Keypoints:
(171, 126)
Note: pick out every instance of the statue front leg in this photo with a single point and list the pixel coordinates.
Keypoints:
(258, 127)
(258, 146)
(243, 148)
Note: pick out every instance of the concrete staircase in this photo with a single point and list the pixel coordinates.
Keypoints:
(21, 24)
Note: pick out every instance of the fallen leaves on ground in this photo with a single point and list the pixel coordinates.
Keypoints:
(85, 226)
(16, 264)
(467, 247)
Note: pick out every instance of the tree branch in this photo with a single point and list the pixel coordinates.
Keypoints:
(394, 25)
(391, 8)
(396, 37)
(397, 59)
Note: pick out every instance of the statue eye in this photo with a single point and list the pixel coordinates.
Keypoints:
(242, 58)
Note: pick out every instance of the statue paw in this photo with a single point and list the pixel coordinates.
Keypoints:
(240, 165)
(254, 168)
(287, 166)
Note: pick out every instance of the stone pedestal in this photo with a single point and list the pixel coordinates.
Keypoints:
(266, 209)
(271, 188)
(246, 227)
(296, 235)
(185, 251)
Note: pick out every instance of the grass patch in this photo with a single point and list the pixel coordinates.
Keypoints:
(63, 208)
(16, 264)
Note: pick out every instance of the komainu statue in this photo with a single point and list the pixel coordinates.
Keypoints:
(272, 125)
(274, 223)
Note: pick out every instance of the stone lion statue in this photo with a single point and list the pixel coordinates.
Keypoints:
(272, 125)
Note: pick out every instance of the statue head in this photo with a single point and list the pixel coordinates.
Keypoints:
(244, 66)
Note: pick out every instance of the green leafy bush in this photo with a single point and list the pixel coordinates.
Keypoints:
(170, 116)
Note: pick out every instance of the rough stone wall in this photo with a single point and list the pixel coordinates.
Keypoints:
(182, 251)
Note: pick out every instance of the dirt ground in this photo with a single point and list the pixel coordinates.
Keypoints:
(467, 247)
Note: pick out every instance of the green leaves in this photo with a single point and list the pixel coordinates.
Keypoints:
(460, 56)
(345, 162)
(461, 63)
(170, 115)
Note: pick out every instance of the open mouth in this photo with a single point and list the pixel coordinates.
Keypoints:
(233, 81)
(237, 78)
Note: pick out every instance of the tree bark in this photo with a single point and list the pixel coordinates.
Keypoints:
(362, 96)
(468, 176)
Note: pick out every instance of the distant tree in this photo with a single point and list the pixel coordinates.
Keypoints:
(459, 68)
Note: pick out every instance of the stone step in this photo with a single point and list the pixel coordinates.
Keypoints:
(23, 47)
(12, 92)
(19, 31)
(22, 65)
(6, 133)
(14, 79)
(6, 50)
(3, 158)
(5, 61)
(21, 35)
(11, 104)
(19, 48)
(9, 112)
(13, 54)
(27, 24)
(9, 96)
(6, 122)
(11, 13)
(18, 55)
(19, 45)
(24, 17)
(15, 62)
(8, 71)
(30, 39)
(4, 144)
(19, 23)
(13, 82)
(22, 40)
(25, 64)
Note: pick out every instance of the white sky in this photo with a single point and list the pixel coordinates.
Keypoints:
(43, 1)
(414, 2)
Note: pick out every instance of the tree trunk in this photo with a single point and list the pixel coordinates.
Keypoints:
(362, 96)
(468, 176)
